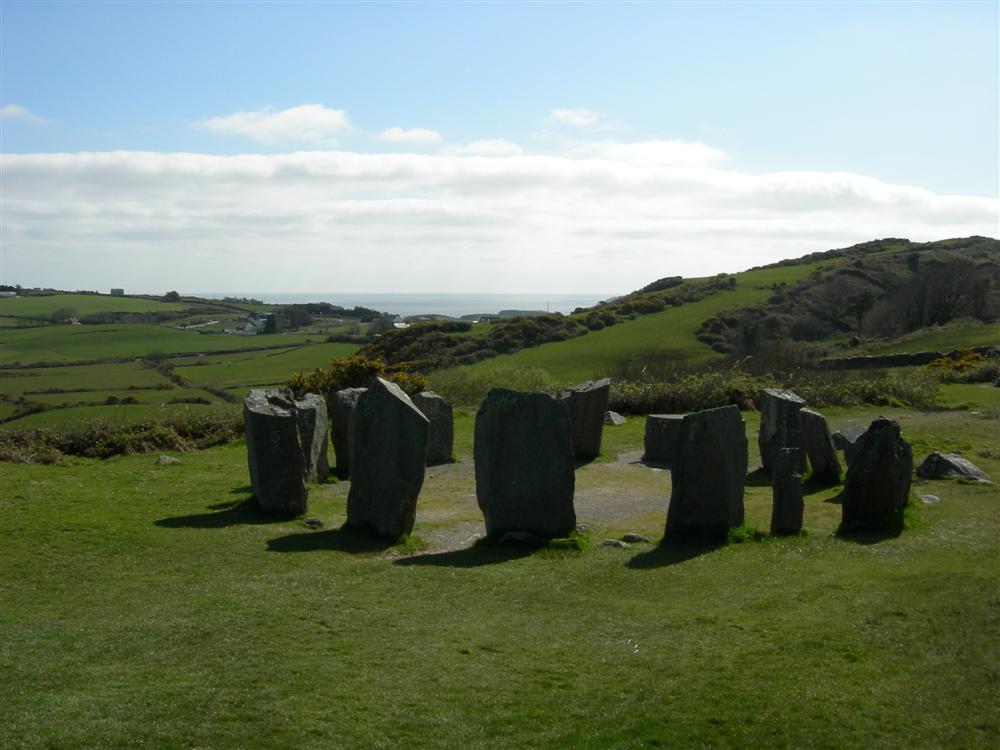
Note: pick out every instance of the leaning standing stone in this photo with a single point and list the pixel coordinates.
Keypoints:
(846, 439)
(440, 439)
(878, 479)
(819, 445)
(389, 453)
(659, 442)
(313, 427)
(342, 409)
(786, 493)
(524, 464)
(779, 425)
(587, 403)
(274, 452)
(708, 474)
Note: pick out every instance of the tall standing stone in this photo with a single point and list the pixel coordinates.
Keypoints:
(878, 479)
(275, 457)
(441, 437)
(342, 406)
(587, 403)
(786, 493)
(708, 474)
(779, 425)
(819, 445)
(659, 442)
(524, 463)
(313, 427)
(388, 457)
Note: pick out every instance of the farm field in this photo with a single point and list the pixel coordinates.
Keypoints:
(157, 594)
(82, 304)
(254, 368)
(945, 339)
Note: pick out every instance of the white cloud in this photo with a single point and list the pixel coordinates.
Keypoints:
(577, 117)
(487, 147)
(17, 112)
(411, 135)
(306, 123)
(603, 220)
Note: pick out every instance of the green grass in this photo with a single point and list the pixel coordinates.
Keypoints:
(944, 339)
(226, 371)
(144, 606)
(83, 304)
(149, 408)
(113, 377)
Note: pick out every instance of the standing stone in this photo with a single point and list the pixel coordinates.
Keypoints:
(708, 474)
(388, 457)
(275, 457)
(313, 427)
(660, 440)
(342, 405)
(819, 445)
(953, 466)
(786, 493)
(779, 426)
(878, 479)
(587, 403)
(524, 464)
(440, 439)
(846, 439)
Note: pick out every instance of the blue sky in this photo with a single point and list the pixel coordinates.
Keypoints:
(788, 96)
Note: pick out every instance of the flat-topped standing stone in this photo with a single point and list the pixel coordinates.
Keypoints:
(388, 457)
(952, 466)
(878, 479)
(313, 428)
(659, 442)
(275, 457)
(342, 409)
(846, 439)
(524, 464)
(708, 474)
(587, 403)
(440, 439)
(779, 425)
(819, 445)
(786, 493)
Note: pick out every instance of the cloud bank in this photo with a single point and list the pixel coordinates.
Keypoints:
(413, 135)
(607, 218)
(17, 112)
(308, 123)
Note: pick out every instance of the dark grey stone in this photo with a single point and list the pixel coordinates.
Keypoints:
(779, 426)
(387, 461)
(440, 438)
(618, 543)
(524, 464)
(659, 442)
(708, 474)
(587, 403)
(951, 466)
(929, 499)
(878, 479)
(275, 457)
(613, 418)
(819, 445)
(631, 538)
(342, 405)
(312, 523)
(846, 439)
(313, 429)
(786, 493)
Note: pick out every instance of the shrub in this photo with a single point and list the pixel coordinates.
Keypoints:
(355, 372)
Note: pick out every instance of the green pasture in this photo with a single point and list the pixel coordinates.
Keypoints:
(944, 339)
(140, 596)
(17, 381)
(253, 368)
(148, 408)
(83, 304)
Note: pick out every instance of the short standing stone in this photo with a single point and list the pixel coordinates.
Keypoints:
(660, 440)
(440, 438)
(819, 446)
(779, 425)
(524, 464)
(274, 452)
(846, 439)
(613, 418)
(708, 474)
(342, 409)
(387, 461)
(951, 465)
(587, 403)
(313, 429)
(878, 479)
(786, 493)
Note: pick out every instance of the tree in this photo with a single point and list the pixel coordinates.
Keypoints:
(62, 315)
(859, 305)
(172, 297)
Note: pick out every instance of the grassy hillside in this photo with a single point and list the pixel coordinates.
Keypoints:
(82, 304)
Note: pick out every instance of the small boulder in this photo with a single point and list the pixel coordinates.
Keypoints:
(587, 404)
(618, 543)
(819, 445)
(636, 538)
(613, 418)
(779, 426)
(166, 460)
(878, 479)
(659, 442)
(342, 405)
(440, 438)
(951, 466)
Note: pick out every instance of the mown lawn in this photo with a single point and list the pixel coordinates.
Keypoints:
(144, 605)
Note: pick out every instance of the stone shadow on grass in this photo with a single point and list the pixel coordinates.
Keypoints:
(878, 530)
(759, 477)
(483, 552)
(673, 551)
(232, 513)
(345, 539)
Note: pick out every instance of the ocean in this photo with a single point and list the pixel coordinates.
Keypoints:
(451, 304)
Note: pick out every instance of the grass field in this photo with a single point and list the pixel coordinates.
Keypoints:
(229, 370)
(945, 339)
(82, 304)
(144, 605)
